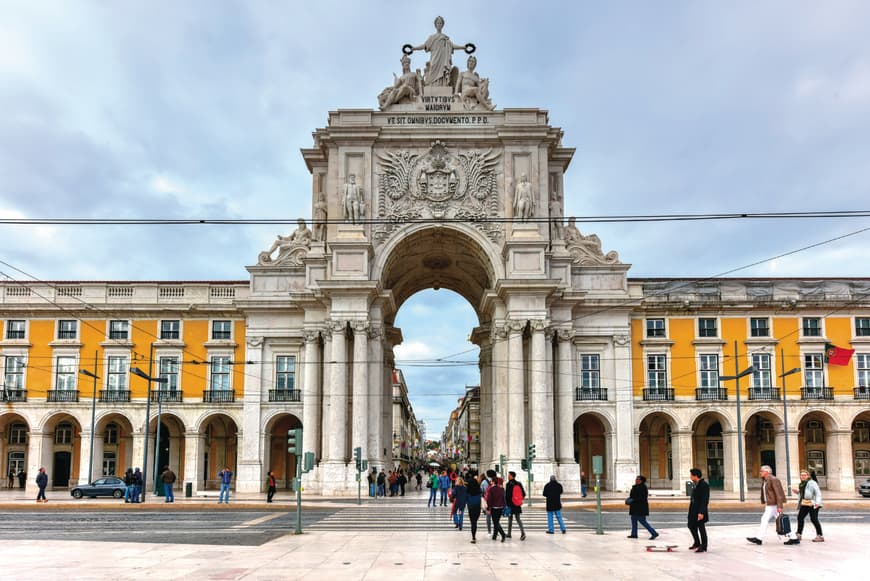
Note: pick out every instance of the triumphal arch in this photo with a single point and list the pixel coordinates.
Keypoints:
(437, 188)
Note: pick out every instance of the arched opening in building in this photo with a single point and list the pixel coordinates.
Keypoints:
(62, 456)
(656, 448)
(592, 435)
(282, 463)
(219, 449)
(861, 446)
(14, 435)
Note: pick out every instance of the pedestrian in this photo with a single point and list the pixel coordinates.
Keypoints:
(11, 481)
(496, 502)
(392, 481)
(553, 494)
(137, 486)
(809, 503)
(638, 508)
(22, 479)
(582, 484)
(271, 486)
(128, 481)
(698, 511)
(460, 499)
(382, 483)
(373, 482)
(168, 478)
(226, 477)
(41, 482)
(514, 495)
(443, 486)
(472, 487)
(432, 485)
(402, 480)
(773, 499)
(419, 478)
(485, 482)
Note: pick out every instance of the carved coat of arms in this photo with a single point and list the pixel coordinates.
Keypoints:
(438, 185)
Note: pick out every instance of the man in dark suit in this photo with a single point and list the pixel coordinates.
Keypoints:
(698, 515)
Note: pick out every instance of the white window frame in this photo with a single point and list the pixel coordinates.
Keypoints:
(112, 429)
(285, 373)
(14, 368)
(804, 327)
(590, 371)
(165, 373)
(117, 372)
(16, 430)
(752, 329)
(70, 375)
(862, 326)
(160, 329)
(663, 330)
(8, 329)
(762, 377)
(220, 367)
(708, 377)
(60, 329)
(657, 379)
(229, 330)
(64, 434)
(715, 328)
(862, 369)
(126, 330)
(814, 370)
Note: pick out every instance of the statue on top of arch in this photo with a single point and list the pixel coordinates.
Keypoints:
(439, 77)
(586, 249)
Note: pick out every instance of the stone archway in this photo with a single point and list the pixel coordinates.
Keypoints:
(592, 437)
(219, 450)
(712, 449)
(14, 440)
(763, 445)
(659, 453)
(113, 445)
(61, 449)
(277, 459)
(861, 446)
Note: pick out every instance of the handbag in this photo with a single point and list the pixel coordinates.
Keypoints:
(429, 484)
(806, 502)
(783, 524)
(629, 500)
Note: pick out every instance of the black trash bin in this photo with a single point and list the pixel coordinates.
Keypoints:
(690, 487)
(188, 489)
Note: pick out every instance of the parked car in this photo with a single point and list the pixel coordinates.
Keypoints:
(108, 486)
(864, 489)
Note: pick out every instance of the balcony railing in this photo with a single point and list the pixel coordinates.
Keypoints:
(13, 395)
(64, 395)
(166, 395)
(219, 396)
(285, 395)
(658, 394)
(711, 394)
(115, 395)
(817, 393)
(590, 394)
(763, 393)
(862, 393)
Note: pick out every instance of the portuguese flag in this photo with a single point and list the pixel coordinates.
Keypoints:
(837, 355)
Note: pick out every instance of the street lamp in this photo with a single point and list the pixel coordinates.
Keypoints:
(93, 415)
(738, 374)
(783, 375)
(143, 375)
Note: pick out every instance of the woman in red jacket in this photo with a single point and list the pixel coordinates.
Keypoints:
(495, 501)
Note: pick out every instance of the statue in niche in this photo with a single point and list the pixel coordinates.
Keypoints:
(556, 212)
(320, 217)
(524, 200)
(440, 71)
(586, 249)
(405, 89)
(472, 90)
(354, 204)
(291, 249)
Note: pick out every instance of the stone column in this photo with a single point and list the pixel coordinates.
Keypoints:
(311, 393)
(838, 457)
(565, 398)
(376, 400)
(337, 403)
(359, 435)
(250, 473)
(194, 460)
(486, 404)
(39, 449)
(499, 393)
(681, 450)
(327, 391)
(84, 451)
(516, 393)
(540, 396)
(730, 462)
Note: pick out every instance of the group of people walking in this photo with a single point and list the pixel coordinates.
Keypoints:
(396, 481)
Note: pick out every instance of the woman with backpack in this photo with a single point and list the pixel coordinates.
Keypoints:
(514, 495)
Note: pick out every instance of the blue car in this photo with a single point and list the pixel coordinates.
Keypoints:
(107, 486)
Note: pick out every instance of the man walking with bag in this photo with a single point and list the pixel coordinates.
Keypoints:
(773, 498)
(698, 511)
(514, 495)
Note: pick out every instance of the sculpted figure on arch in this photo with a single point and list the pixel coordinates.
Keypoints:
(439, 69)
(524, 200)
(291, 249)
(404, 89)
(473, 90)
(354, 204)
(320, 217)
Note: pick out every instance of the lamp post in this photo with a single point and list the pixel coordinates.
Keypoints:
(93, 415)
(783, 375)
(736, 377)
(146, 376)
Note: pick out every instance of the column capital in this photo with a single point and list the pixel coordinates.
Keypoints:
(311, 335)
(621, 340)
(255, 340)
(360, 327)
(515, 326)
(539, 325)
(376, 332)
(565, 335)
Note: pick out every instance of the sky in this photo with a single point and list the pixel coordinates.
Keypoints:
(198, 109)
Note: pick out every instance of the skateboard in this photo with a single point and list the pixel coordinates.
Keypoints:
(661, 548)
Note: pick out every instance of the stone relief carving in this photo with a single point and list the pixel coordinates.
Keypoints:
(321, 215)
(473, 91)
(621, 340)
(565, 334)
(360, 327)
(586, 250)
(440, 71)
(353, 200)
(524, 199)
(311, 335)
(439, 185)
(405, 88)
(255, 340)
(291, 249)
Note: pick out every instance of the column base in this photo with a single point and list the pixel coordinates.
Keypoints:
(568, 474)
(250, 477)
(335, 479)
(625, 473)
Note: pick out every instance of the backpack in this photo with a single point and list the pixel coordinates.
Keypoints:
(517, 495)
(783, 524)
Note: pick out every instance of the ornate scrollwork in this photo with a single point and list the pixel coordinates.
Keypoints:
(621, 340)
(311, 335)
(255, 340)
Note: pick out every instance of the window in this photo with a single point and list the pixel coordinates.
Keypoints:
(66, 373)
(761, 375)
(862, 363)
(707, 328)
(16, 462)
(63, 433)
(67, 329)
(18, 434)
(655, 327)
(119, 330)
(221, 330)
(110, 463)
(816, 461)
(286, 372)
(117, 373)
(759, 327)
(656, 371)
(111, 435)
(767, 433)
(169, 372)
(15, 329)
(709, 371)
(861, 433)
(590, 372)
(812, 327)
(220, 373)
(170, 329)
(862, 326)
(13, 373)
(862, 463)
(815, 432)
(814, 375)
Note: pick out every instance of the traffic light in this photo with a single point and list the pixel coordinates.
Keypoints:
(524, 464)
(308, 462)
(531, 454)
(294, 441)
(365, 465)
(502, 463)
(357, 456)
